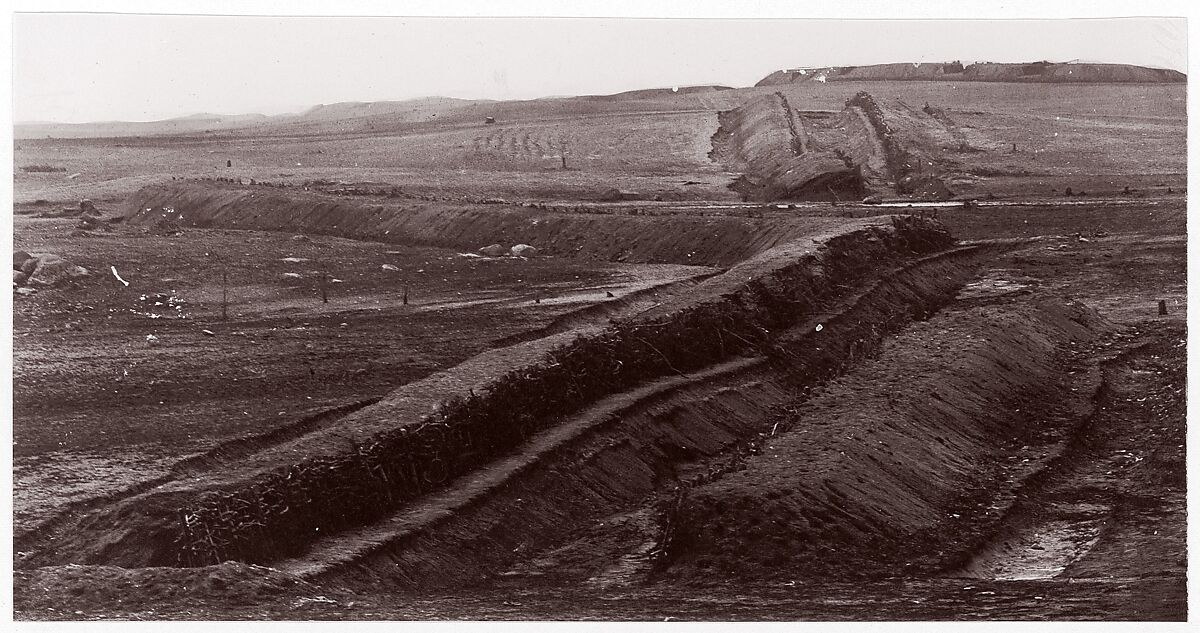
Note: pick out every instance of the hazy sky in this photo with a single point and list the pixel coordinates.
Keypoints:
(91, 67)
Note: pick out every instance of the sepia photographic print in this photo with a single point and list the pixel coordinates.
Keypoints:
(561, 314)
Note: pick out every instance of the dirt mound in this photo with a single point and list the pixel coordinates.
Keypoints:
(1037, 72)
(52, 270)
(765, 140)
(896, 478)
(678, 239)
(868, 148)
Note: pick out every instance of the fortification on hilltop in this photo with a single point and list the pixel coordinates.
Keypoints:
(1033, 72)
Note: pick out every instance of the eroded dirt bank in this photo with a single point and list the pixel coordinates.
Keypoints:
(911, 447)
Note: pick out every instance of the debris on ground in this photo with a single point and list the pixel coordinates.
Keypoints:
(493, 250)
(389, 267)
(51, 270)
(161, 305)
(524, 250)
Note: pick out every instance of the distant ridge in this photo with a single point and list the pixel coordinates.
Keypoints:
(1033, 72)
(188, 124)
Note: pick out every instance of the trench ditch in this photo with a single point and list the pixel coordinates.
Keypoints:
(733, 314)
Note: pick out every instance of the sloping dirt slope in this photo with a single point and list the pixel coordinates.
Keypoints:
(916, 458)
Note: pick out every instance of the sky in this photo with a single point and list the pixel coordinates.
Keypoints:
(96, 67)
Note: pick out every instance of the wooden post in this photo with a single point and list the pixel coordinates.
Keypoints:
(404, 298)
(324, 291)
(1162, 307)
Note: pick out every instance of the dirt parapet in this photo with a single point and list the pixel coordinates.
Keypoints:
(275, 504)
(704, 241)
(553, 513)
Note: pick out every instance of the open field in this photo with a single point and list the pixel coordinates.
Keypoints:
(1065, 134)
(682, 405)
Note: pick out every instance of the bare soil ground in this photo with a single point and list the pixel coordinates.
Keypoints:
(1116, 490)
(656, 146)
(1078, 514)
(282, 355)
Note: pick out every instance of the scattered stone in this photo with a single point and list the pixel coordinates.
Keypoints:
(294, 260)
(25, 290)
(151, 340)
(291, 275)
(616, 195)
(389, 267)
(52, 270)
(524, 250)
(301, 238)
(873, 200)
(207, 332)
(493, 250)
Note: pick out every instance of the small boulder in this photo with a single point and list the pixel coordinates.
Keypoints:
(52, 270)
(301, 238)
(19, 258)
(524, 250)
(25, 290)
(389, 267)
(493, 250)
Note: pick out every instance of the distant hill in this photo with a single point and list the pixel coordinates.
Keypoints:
(1035, 72)
(411, 110)
(191, 124)
(655, 93)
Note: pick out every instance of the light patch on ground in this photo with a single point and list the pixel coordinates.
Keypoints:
(44, 483)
